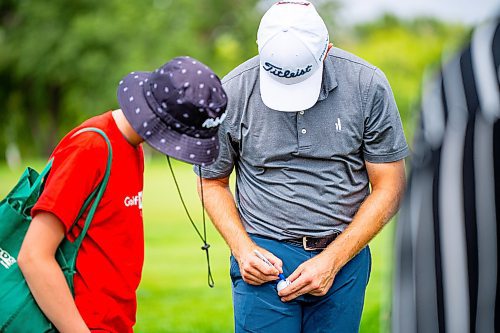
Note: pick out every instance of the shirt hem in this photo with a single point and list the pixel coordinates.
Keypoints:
(211, 174)
(393, 157)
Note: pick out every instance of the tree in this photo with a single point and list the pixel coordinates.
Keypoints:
(404, 50)
(61, 61)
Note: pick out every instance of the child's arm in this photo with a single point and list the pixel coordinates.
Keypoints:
(44, 276)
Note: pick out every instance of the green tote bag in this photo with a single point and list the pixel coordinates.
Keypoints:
(19, 312)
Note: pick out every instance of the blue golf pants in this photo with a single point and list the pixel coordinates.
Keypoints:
(259, 308)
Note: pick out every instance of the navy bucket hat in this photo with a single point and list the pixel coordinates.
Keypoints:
(177, 109)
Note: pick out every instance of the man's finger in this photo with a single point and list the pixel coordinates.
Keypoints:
(295, 289)
(295, 294)
(253, 280)
(275, 261)
(265, 269)
(260, 276)
(255, 277)
(296, 273)
(270, 260)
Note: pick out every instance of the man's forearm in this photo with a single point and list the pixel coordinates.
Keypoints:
(316, 275)
(220, 206)
(378, 208)
(367, 223)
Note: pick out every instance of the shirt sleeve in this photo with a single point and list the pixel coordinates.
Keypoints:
(228, 138)
(79, 164)
(383, 138)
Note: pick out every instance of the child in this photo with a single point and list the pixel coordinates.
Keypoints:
(176, 109)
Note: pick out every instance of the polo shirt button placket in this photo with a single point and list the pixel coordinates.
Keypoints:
(304, 137)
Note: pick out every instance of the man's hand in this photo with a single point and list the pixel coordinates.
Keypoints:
(220, 205)
(256, 271)
(314, 276)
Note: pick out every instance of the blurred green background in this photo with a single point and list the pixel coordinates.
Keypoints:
(60, 62)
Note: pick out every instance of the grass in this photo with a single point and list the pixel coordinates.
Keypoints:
(174, 295)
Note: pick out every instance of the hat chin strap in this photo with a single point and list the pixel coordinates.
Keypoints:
(205, 246)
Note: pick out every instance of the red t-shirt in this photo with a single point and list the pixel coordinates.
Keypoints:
(110, 260)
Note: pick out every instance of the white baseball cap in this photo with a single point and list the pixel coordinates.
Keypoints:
(292, 40)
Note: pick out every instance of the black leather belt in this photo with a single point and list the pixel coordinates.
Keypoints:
(314, 243)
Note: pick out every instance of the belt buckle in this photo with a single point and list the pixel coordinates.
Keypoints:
(306, 245)
(318, 243)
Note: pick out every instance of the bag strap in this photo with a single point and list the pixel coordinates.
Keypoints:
(42, 175)
(35, 188)
(94, 198)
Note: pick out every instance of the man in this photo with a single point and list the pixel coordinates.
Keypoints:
(175, 110)
(308, 129)
(446, 276)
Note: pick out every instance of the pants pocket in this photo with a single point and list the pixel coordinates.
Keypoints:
(234, 269)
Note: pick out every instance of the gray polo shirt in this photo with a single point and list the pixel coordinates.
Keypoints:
(303, 173)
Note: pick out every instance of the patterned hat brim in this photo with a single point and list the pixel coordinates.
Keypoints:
(158, 134)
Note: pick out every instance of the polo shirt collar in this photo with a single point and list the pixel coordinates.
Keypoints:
(329, 81)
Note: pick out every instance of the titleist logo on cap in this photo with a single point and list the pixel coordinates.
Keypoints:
(287, 74)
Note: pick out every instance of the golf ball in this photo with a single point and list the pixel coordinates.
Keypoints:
(282, 284)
